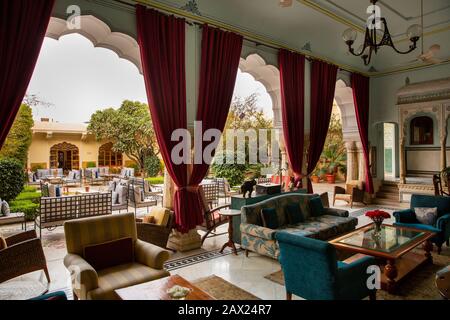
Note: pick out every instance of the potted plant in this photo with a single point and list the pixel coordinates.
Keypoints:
(315, 176)
(334, 157)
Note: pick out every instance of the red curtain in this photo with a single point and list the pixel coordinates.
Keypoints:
(23, 24)
(292, 78)
(161, 40)
(323, 85)
(221, 52)
(360, 86)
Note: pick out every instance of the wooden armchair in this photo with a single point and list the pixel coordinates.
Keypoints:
(212, 218)
(353, 192)
(23, 254)
(438, 189)
(154, 233)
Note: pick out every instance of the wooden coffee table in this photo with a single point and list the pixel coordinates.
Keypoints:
(157, 290)
(393, 245)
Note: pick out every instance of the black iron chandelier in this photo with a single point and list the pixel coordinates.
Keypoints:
(371, 44)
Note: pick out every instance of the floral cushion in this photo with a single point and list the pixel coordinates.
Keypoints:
(426, 216)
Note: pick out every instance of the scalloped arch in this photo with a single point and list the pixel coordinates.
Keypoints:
(100, 34)
(269, 76)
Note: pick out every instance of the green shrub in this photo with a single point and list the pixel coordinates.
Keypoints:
(32, 196)
(28, 207)
(35, 167)
(29, 189)
(153, 166)
(155, 180)
(12, 179)
(91, 164)
(235, 173)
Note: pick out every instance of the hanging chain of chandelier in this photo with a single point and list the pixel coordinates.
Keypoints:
(371, 44)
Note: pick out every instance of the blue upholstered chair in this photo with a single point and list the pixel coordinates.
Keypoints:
(312, 271)
(407, 218)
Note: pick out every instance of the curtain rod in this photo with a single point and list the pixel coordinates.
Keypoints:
(257, 43)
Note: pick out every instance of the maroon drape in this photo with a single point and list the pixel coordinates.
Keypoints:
(360, 86)
(323, 85)
(23, 24)
(292, 79)
(221, 52)
(162, 44)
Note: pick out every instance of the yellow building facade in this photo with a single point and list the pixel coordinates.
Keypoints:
(70, 147)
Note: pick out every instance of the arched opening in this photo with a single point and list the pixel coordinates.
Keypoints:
(255, 109)
(65, 156)
(107, 157)
(421, 131)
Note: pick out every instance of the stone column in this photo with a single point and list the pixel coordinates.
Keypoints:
(352, 164)
(402, 153)
(361, 162)
(443, 139)
(169, 191)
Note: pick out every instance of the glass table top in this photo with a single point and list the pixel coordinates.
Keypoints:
(387, 240)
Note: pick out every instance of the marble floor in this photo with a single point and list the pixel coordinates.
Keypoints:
(246, 273)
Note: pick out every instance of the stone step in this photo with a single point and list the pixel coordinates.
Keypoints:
(387, 195)
(389, 203)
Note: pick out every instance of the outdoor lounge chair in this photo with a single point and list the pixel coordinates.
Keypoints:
(157, 232)
(212, 218)
(23, 254)
(353, 192)
(138, 199)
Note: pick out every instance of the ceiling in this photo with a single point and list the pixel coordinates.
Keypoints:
(322, 22)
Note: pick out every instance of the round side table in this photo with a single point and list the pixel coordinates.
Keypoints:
(230, 213)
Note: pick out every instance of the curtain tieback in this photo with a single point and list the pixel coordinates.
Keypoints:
(187, 188)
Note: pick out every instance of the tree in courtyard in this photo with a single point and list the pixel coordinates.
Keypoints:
(19, 137)
(129, 128)
(244, 114)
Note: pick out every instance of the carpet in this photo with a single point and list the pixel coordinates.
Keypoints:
(197, 258)
(222, 289)
(419, 285)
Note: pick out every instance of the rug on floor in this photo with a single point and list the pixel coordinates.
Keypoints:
(197, 258)
(221, 289)
(419, 285)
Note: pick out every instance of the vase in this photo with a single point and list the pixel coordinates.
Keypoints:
(378, 226)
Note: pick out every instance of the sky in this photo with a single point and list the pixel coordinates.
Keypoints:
(77, 79)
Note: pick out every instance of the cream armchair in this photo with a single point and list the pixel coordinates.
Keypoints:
(88, 283)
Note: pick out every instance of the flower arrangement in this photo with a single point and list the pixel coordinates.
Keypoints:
(377, 217)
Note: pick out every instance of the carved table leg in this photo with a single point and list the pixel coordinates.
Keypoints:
(391, 273)
(428, 247)
(230, 242)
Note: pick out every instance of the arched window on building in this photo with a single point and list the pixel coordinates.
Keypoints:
(109, 158)
(422, 130)
(64, 155)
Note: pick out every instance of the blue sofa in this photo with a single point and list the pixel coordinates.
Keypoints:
(327, 224)
(312, 271)
(407, 217)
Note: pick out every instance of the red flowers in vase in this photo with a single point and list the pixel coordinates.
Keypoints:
(377, 217)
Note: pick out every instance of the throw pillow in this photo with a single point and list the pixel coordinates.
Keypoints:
(51, 190)
(109, 254)
(269, 218)
(137, 194)
(142, 196)
(149, 219)
(120, 190)
(316, 207)
(58, 191)
(5, 208)
(426, 215)
(161, 216)
(112, 186)
(293, 213)
(115, 198)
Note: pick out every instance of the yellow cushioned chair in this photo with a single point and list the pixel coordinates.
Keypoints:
(89, 283)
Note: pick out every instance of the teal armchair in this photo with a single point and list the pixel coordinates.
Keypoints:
(312, 271)
(407, 218)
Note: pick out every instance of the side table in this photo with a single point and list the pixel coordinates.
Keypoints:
(230, 213)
